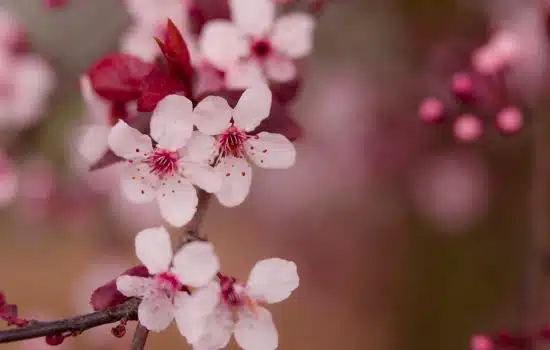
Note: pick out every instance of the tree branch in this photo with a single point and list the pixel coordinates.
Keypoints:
(75, 325)
(140, 337)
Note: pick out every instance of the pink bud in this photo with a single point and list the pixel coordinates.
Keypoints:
(481, 342)
(431, 110)
(467, 128)
(509, 120)
(119, 331)
(463, 87)
(486, 61)
(55, 339)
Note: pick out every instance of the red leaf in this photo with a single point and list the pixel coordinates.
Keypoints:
(157, 85)
(118, 77)
(2, 299)
(108, 295)
(176, 53)
(279, 120)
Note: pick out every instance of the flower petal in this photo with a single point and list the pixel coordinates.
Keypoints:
(216, 330)
(253, 17)
(138, 184)
(212, 115)
(253, 107)
(293, 35)
(196, 264)
(243, 74)
(92, 142)
(256, 331)
(271, 151)
(171, 123)
(154, 249)
(280, 68)
(177, 200)
(156, 312)
(136, 40)
(95, 105)
(236, 179)
(128, 142)
(132, 286)
(200, 148)
(203, 176)
(272, 280)
(222, 43)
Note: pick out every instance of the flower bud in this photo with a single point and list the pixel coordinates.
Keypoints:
(55, 339)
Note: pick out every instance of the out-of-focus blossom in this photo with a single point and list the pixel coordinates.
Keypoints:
(431, 110)
(232, 129)
(256, 46)
(166, 171)
(162, 295)
(509, 120)
(8, 181)
(10, 31)
(56, 3)
(481, 342)
(451, 190)
(213, 313)
(467, 128)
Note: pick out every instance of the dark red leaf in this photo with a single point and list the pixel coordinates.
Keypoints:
(2, 299)
(176, 53)
(279, 121)
(108, 296)
(118, 77)
(157, 85)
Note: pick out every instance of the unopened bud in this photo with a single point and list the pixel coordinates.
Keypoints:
(119, 331)
(55, 339)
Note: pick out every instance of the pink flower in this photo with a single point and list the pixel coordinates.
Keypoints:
(192, 266)
(255, 45)
(213, 313)
(167, 170)
(8, 181)
(232, 140)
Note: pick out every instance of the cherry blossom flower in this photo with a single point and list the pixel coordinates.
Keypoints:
(167, 170)
(213, 313)
(232, 129)
(255, 45)
(192, 266)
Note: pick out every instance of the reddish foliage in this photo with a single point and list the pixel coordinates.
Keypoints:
(176, 53)
(118, 77)
(8, 312)
(157, 85)
(56, 3)
(108, 296)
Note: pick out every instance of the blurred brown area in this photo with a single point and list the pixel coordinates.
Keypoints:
(375, 272)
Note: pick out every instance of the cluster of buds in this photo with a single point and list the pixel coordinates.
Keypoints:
(507, 341)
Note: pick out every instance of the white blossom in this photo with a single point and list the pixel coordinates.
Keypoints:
(232, 139)
(167, 170)
(194, 265)
(213, 313)
(255, 45)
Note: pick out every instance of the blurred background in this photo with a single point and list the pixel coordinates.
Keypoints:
(405, 238)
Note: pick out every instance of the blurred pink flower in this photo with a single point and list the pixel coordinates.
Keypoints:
(10, 31)
(467, 127)
(8, 181)
(452, 190)
(481, 342)
(509, 120)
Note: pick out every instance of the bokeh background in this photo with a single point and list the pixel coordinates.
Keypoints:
(404, 237)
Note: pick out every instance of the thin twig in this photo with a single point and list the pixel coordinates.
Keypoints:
(140, 337)
(78, 324)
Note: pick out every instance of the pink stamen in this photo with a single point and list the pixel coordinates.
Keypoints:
(231, 142)
(162, 162)
(261, 48)
(168, 283)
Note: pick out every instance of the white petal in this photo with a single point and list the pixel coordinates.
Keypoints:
(271, 151)
(138, 41)
(293, 34)
(256, 331)
(217, 329)
(253, 17)
(212, 115)
(134, 286)
(95, 105)
(137, 183)
(280, 68)
(196, 264)
(156, 312)
(177, 200)
(200, 148)
(253, 107)
(236, 178)
(171, 123)
(203, 176)
(222, 43)
(192, 312)
(244, 74)
(128, 142)
(154, 249)
(92, 142)
(272, 280)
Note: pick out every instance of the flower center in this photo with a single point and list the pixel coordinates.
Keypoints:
(168, 283)
(232, 142)
(232, 293)
(162, 162)
(261, 48)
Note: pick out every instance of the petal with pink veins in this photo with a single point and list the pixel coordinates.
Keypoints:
(138, 184)
(271, 151)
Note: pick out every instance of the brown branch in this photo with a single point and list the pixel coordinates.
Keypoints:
(140, 337)
(74, 325)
